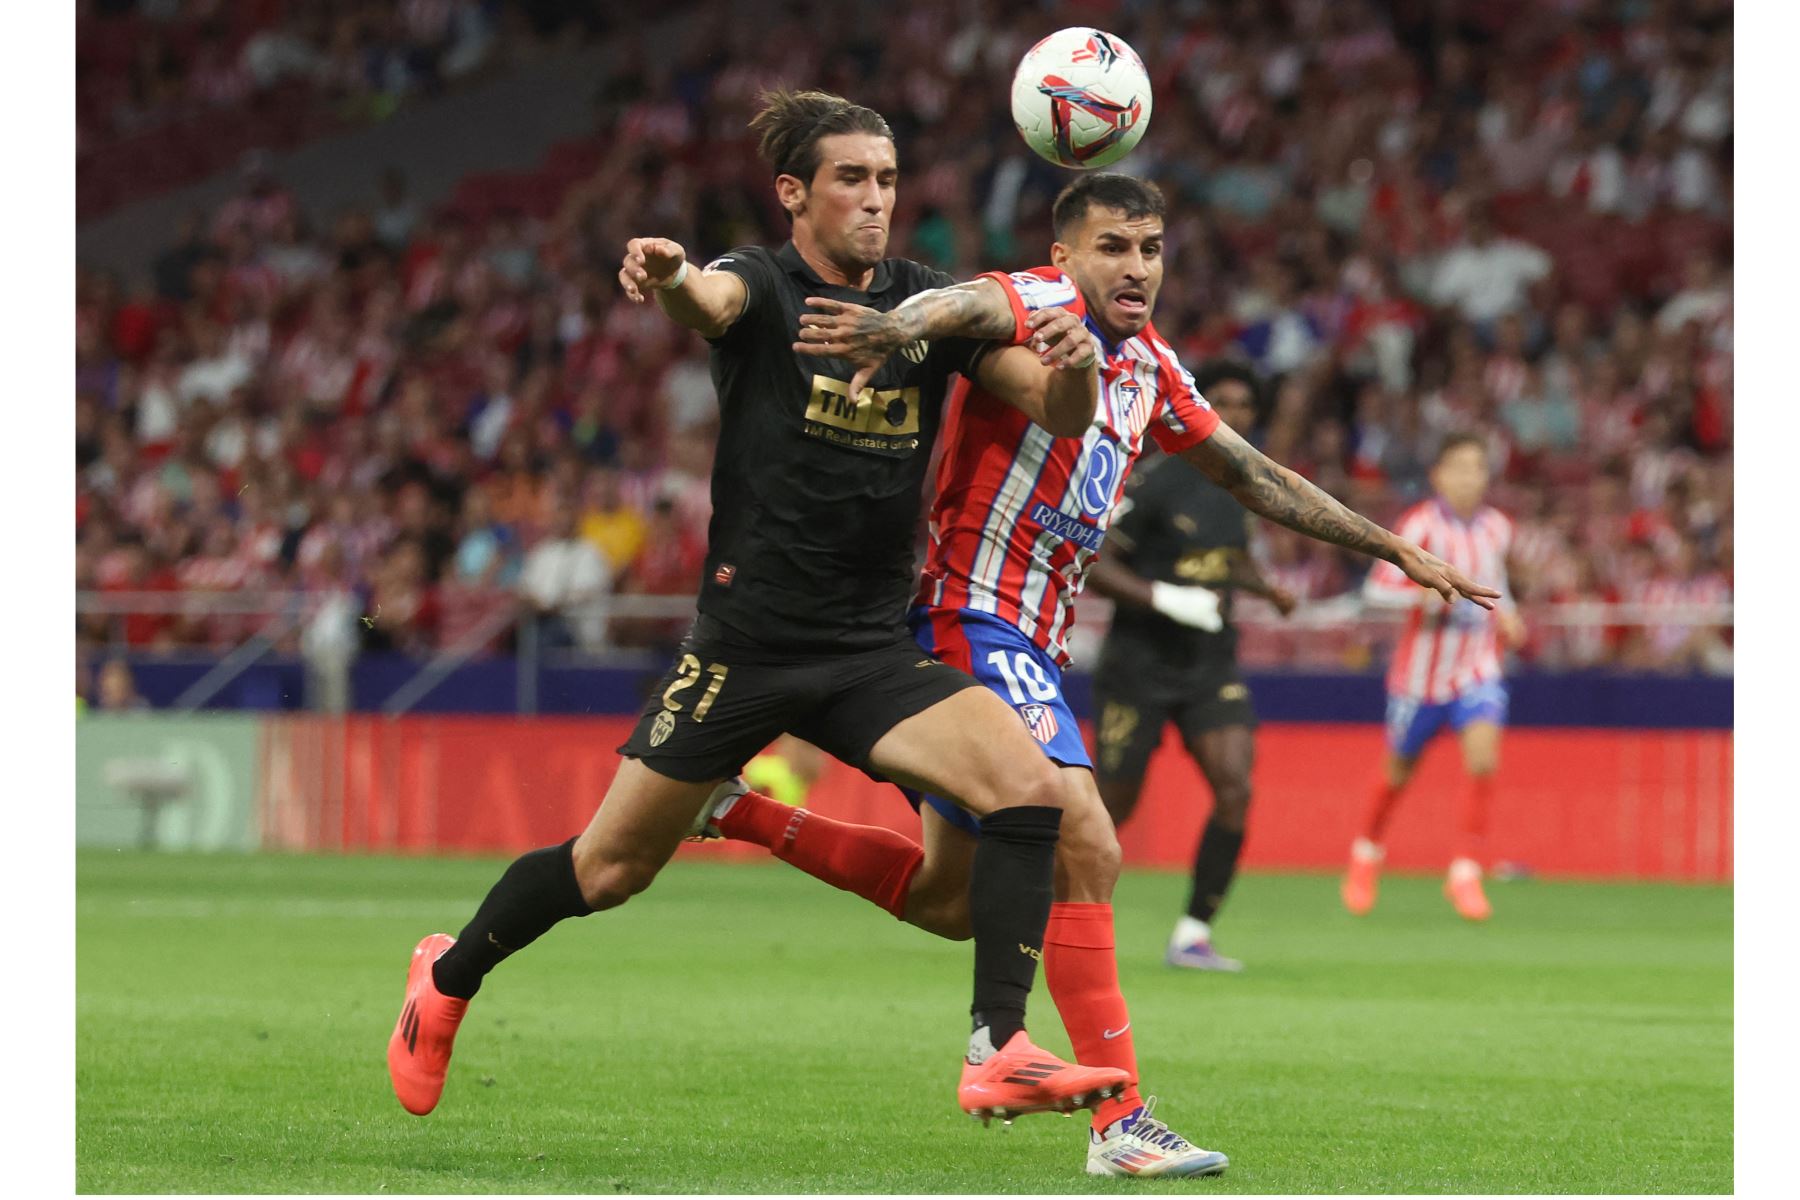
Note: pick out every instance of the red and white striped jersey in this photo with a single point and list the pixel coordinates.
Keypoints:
(1020, 514)
(1445, 649)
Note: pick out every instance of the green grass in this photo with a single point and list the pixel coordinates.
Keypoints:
(746, 1029)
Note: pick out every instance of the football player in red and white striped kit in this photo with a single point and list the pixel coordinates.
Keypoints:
(1446, 670)
(1018, 519)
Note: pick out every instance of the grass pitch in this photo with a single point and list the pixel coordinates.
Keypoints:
(747, 1029)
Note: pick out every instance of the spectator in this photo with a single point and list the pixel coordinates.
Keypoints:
(1485, 276)
(116, 689)
(565, 582)
(615, 527)
(488, 553)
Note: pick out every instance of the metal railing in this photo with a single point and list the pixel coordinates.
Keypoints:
(283, 615)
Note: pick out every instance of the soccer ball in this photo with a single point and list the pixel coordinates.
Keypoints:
(1081, 98)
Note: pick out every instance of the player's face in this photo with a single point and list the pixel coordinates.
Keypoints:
(850, 202)
(1462, 477)
(1232, 400)
(1117, 263)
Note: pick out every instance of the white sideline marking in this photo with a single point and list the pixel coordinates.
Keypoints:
(275, 908)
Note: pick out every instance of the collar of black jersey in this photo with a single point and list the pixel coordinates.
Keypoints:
(791, 262)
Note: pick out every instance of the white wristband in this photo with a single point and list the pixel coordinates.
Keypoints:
(1195, 607)
(676, 282)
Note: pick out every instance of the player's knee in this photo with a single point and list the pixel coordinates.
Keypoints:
(1231, 806)
(608, 884)
(1091, 855)
(1041, 786)
(1018, 786)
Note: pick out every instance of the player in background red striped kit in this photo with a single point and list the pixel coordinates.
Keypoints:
(1446, 672)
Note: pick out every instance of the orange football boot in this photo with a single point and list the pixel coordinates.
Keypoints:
(1019, 1078)
(419, 1052)
(1463, 888)
(1363, 878)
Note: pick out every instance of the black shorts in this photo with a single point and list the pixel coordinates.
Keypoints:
(1134, 699)
(726, 699)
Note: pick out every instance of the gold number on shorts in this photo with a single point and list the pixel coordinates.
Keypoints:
(717, 671)
(689, 675)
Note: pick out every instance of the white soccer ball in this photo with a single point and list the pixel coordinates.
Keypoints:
(1081, 98)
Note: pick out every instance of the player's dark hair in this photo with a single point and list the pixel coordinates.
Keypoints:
(1457, 441)
(1108, 189)
(789, 125)
(1215, 371)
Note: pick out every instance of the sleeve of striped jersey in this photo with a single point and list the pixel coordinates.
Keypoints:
(1185, 419)
(1387, 585)
(1028, 291)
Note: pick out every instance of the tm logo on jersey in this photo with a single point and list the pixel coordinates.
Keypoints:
(1072, 529)
(884, 421)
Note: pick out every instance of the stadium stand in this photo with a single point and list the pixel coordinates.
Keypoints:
(1518, 225)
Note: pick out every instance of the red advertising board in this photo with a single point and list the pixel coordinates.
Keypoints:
(1652, 804)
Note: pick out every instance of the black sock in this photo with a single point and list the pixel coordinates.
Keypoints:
(1214, 865)
(537, 891)
(1009, 905)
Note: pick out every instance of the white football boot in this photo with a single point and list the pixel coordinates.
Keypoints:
(1139, 1144)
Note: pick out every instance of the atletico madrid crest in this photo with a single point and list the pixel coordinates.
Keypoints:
(1040, 720)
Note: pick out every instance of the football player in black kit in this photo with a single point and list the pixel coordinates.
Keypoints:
(1176, 553)
(802, 626)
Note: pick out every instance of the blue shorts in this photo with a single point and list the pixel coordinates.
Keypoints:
(1411, 724)
(1014, 668)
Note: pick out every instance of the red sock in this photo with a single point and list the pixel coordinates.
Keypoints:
(875, 863)
(1381, 807)
(1083, 974)
(1478, 797)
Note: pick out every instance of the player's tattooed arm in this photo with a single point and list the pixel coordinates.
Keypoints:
(977, 309)
(866, 338)
(1271, 490)
(1054, 379)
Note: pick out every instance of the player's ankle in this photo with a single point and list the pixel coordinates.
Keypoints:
(1190, 929)
(1364, 850)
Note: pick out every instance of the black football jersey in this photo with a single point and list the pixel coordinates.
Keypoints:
(1177, 526)
(817, 494)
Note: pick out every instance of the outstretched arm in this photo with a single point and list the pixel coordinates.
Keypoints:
(1054, 379)
(709, 304)
(864, 337)
(1271, 490)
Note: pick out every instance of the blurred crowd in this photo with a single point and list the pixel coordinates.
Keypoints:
(168, 91)
(1507, 216)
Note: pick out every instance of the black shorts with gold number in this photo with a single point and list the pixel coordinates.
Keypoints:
(726, 699)
(1135, 697)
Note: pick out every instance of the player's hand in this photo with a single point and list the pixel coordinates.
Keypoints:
(1285, 602)
(1429, 571)
(1195, 607)
(1512, 628)
(650, 263)
(860, 336)
(1061, 340)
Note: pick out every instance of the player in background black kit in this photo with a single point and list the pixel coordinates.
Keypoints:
(1176, 553)
(802, 629)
